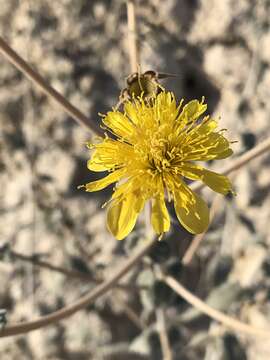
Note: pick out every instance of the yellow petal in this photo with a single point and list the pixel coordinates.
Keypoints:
(207, 126)
(207, 147)
(224, 154)
(119, 124)
(193, 110)
(217, 182)
(96, 164)
(131, 112)
(166, 109)
(160, 217)
(108, 155)
(201, 132)
(191, 210)
(102, 183)
(122, 215)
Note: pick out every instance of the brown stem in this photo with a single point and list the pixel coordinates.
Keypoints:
(107, 285)
(163, 336)
(132, 36)
(67, 272)
(80, 304)
(37, 79)
(224, 319)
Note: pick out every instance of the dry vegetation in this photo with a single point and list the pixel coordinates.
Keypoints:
(220, 50)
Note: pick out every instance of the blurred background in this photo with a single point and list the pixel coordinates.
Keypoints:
(218, 49)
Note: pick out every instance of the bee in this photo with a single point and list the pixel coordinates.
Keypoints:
(142, 84)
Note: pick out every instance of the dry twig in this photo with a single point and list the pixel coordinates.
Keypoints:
(101, 289)
(163, 336)
(224, 319)
(107, 285)
(37, 79)
(72, 274)
(132, 36)
(83, 302)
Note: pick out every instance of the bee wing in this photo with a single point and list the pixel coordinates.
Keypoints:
(165, 75)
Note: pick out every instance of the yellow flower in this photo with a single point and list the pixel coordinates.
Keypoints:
(151, 152)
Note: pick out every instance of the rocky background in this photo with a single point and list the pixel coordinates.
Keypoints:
(218, 49)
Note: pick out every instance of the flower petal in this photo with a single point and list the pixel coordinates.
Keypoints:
(223, 154)
(217, 182)
(206, 147)
(191, 210)
(131, 112)
(102, 183)
(192, 110)
(166, 109)
(96, 164)
(122, 215)
(119, 124)
(160, 217)
(108, 155)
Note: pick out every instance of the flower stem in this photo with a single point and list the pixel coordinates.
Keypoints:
(132, 36)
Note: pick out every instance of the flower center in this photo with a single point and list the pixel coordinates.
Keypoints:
(160, 155)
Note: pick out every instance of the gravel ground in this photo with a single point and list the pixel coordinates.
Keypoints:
(218, 49)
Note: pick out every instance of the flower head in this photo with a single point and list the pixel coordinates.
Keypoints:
(152, 151)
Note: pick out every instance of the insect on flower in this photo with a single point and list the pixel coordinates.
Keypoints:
(153, 149)
(144, 85)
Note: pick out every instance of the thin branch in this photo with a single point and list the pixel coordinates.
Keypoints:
(67, 272)
(84, 301)
(38, 80)
(107, 285)
(133, 317)
(252, 154)
(163, 336)
(132, 36)
(224, 319)
(46, 265)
